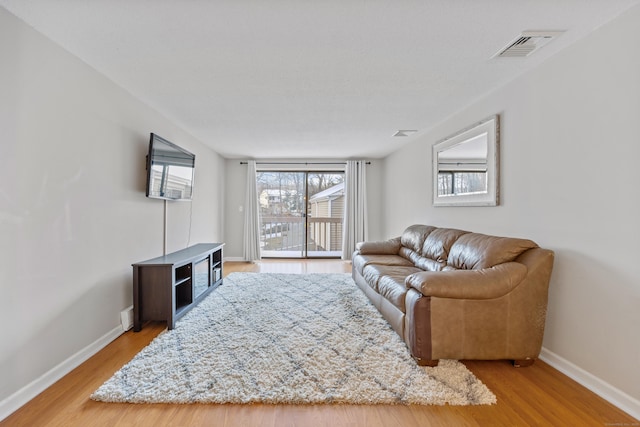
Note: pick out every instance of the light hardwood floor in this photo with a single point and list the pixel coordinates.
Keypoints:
(533, 396)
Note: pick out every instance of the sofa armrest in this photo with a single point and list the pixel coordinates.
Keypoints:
(487, 283)
(385, 247)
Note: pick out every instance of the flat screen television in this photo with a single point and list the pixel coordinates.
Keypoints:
(170, 170)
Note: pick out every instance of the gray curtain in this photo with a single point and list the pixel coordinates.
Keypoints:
(251, 216)
(354, 229)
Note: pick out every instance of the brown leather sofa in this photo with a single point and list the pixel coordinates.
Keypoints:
(453, 294)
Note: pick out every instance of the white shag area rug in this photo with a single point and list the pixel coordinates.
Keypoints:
(287, 338)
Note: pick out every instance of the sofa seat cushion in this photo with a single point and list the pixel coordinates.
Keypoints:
(373, 272)
(393, 289)
(361, 261)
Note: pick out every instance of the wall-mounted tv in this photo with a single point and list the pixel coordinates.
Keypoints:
(170, 170)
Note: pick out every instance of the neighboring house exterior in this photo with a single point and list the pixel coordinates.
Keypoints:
(326, 212)
(276, 202)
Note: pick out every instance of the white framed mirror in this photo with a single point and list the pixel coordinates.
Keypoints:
(466, 166)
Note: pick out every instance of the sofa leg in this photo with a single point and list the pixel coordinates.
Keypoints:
(523, 363)
(426, 362)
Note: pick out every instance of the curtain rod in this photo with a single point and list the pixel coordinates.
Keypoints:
(301, 163)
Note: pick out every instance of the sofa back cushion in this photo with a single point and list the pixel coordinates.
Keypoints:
(414, 236)
(428, 264)
(473, 251)
(428, 247)
(412, 240)
(438, 243)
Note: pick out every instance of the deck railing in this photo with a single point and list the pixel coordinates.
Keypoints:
(286, 234)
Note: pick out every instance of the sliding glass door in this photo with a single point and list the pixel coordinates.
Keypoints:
(301, 213)
(325, 212)
(282, 198)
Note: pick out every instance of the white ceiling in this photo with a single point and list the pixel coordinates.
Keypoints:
(302, 79)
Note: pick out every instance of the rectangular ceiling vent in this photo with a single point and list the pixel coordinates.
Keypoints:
(527, 43)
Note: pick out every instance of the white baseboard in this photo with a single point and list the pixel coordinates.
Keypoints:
(603, 389)
(234, 258)
(12, 403)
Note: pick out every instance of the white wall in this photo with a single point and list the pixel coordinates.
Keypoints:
(570, 181)
(73, 213)
(236, 179)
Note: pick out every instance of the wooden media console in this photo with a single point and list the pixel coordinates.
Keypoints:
(166, 287)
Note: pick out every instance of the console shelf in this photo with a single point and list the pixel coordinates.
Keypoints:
(167, 287)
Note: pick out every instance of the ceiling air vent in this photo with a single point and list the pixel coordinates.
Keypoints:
(405, 132)
(527, 43)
